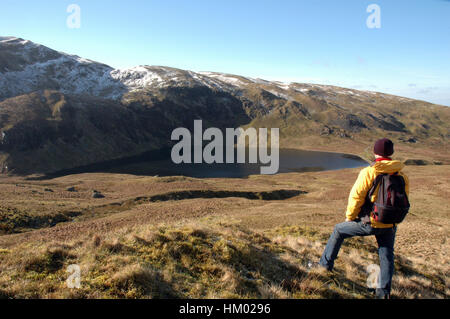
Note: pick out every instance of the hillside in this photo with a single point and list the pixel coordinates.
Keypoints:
(137, 236)
(178, 237)
(59, 111)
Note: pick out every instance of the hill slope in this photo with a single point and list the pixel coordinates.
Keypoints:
(147, 239)
(59, 111)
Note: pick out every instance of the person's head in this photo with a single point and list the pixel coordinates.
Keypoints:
(383, 148)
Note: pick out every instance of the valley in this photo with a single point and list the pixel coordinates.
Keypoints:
(59, 111)
(72, 133)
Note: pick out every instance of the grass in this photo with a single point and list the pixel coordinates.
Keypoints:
(207, 246)
(13, 220)
(223, 261)
(203, 261)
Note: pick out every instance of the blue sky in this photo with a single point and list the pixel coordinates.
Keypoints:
(317, 41)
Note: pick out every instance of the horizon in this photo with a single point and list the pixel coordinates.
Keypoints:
(341, 49)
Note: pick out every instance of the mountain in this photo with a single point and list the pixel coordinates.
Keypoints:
(59, 111)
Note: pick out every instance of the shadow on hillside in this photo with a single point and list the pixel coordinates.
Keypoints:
(272, 195)
(13, 220)
(232, 262)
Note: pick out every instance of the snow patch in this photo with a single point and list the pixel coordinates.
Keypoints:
(137, 77)
(230, 79)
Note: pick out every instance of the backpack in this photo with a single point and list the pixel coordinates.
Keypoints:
(392, 204)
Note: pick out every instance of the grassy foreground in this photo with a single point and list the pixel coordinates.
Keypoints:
(177, 237)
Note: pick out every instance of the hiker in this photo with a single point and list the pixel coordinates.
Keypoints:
(365, 211)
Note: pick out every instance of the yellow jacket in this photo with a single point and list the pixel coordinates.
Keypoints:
(364, 183)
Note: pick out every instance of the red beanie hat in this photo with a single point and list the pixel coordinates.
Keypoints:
(384, 147)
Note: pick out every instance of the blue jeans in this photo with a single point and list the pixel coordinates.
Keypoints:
(385, 239)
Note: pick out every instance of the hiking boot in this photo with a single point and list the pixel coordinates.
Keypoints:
(312, 266)
(382, 294)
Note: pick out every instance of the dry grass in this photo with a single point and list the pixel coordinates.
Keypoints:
(199, 247)
(190, 261)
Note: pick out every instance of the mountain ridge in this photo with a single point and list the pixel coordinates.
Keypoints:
(59, 110)
(144, 75)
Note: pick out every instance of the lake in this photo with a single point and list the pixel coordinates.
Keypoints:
(159, 163)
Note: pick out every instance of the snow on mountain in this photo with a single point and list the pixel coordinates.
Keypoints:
(137, 77)
(26, 67)
(227, 78)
